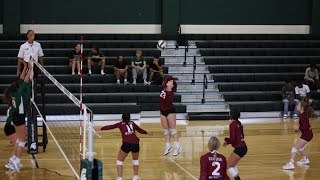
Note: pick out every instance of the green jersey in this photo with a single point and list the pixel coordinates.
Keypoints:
(20, 98)
(10, 112)
(138, 62)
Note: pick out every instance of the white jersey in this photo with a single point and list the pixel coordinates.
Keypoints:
(33, 51)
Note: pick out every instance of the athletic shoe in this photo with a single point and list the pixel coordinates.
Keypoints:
(295, 116)
(119, 178)
(103, 74)
(16, 165)
(146, 83)
(167, 151)
(79, 73)
(118, 82)
(288, 166)
(72, 73)
(285, 116)
(136, 178)
(9, 166)
(134, 83)
(318, 90)
(126, 83)
(89, 74)
(303, 161)
(176, 151)
(150, 82)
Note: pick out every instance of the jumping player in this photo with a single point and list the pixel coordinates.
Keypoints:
(236, 139)
(168, 115)
(306, 135)
(17, 97)
(130, 143)
(213, 165)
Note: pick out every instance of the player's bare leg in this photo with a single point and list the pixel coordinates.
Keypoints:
(102, 63)
(90, 63)
(121, 157)
(135, 161)
(231, 165)
(173, 130)
(299, 145)
(165, 125)
(21, 134)
(78, 67)
(73, 67)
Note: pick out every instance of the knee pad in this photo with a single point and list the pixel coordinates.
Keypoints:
(302, 149)
(235, 168)
(119, 163)
(166, 132)
(173, 131)
(21, 144)
(9, 129)
(232, 171)
(135, 162)
(294, 150)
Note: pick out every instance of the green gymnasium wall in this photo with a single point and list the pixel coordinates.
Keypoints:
(168, 13)
(91, 11)
(246, 12)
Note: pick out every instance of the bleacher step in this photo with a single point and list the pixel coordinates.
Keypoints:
(208, 116)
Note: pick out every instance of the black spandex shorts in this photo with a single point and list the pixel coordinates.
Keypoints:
(128, 147)
(9, 129)
(242, 151)
(19, 119)
(167, 112)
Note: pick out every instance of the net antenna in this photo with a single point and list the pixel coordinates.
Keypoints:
(86, 123)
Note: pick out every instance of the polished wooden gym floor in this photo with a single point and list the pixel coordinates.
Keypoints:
(269, 142)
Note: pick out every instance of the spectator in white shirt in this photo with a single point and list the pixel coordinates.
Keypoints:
(312, 77)
(30, 50)
(303, 92)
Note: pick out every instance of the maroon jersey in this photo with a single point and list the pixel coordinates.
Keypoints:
(305, 127)
(127, 130)
(236, 138)
(166, 100)
(210, 169)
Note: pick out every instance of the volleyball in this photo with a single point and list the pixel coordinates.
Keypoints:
(161, 44)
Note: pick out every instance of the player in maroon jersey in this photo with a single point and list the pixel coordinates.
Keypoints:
(213, 165)
(236, 139)
(306, 134)
(168, 115)
(130, 143)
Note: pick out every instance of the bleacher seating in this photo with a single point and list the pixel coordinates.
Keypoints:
(251, 72)
(100, 92)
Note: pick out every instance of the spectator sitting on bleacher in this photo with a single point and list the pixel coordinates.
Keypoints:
(121, 68)
(139, 66)
(303, 92)
(288, 97)
(155, 69)
(96, 55)
(74, 59)
(312, 77)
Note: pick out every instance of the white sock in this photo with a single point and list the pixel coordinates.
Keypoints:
(18, 160)
(102, 71)
(232, 171)
(134, 80)
(168, 145)
(89, 71)
(14, 157)
(176, 144)
(291, 161)
(125, 80)
(118, 80)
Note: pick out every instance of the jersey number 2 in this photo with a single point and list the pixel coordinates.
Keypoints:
(216, 171)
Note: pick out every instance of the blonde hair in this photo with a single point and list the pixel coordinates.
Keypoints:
(306, 107)
(213, 145)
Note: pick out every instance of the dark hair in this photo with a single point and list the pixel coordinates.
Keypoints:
(119, 56)
(29, 31)
(126, 117)
(7, 92)
(300, 82)
(313, 65)
(156, 56)
(95, 47)
(234, 114)
(306, 107)
(288, 81)
(174, 89)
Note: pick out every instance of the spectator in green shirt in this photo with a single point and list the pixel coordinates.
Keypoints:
(96, 55)
(139, 65)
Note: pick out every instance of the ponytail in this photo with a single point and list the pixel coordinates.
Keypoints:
(306, 107)
(214, 152)
(7, 93)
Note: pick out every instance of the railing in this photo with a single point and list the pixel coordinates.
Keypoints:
(205, 86)
(178, 37)
(186, 50)
(194, 70)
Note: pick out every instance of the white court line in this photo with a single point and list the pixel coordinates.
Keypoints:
(183, 169)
